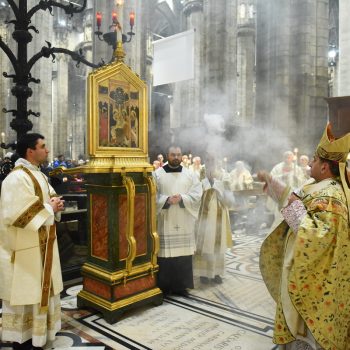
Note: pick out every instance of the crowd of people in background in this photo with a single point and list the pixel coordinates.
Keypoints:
(9, 159)
(292, 170)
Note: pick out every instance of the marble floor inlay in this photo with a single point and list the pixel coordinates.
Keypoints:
(235, 315)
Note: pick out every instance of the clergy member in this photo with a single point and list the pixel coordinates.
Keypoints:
(30, 271)
(305, 260)
(179, 195)
(240, 177)
(213, 230)
(289, 173)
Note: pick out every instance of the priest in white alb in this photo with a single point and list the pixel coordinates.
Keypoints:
(179, 195)
(30, 271)
(290, 174)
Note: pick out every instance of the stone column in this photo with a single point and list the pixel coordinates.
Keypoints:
(6, 98)
(77, 87)
(245, 63)
(139, 52)
(136, 49)
(213, 89)
(292, 76)
(60, 111)
(187, 101)
(344, 49)
(41, 100)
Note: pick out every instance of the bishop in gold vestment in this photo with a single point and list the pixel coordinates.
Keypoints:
(305, 261)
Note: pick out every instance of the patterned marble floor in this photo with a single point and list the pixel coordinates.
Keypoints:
(236, 315)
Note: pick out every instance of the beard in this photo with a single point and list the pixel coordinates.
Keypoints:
(174, 163)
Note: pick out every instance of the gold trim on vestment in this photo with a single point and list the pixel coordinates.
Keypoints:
(22, 322)
(37, 188)
(203, 217)
(46, 243)
(25, 218)
(335, 156)
(218, 229)
(17, 322)
(46, 280)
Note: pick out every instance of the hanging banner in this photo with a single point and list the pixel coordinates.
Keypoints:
(173, 58)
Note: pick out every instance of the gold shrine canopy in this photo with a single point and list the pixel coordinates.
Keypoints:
(117, 122)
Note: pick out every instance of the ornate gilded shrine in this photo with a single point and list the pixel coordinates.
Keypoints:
(121, 268)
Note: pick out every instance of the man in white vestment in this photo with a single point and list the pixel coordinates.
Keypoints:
(160, 159)
(179, 195)
(289, 173)
(240, 177)
(197, 167)
(213, 233)
(30, 271)
(304, 166)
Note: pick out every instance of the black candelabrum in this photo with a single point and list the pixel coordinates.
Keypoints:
(111, 38)
(22, 65)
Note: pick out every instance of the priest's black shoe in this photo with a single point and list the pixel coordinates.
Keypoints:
(24, 346)
(183, 293)
(204, 280)
(217, 279)
(166, 292)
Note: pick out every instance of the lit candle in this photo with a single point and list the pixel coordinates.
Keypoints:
(132, 18)
(119, 4)
(2, 137)
(98, 19)
(296, 150)
(114, 17)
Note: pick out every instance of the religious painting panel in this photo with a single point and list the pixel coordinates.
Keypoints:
(117, 113)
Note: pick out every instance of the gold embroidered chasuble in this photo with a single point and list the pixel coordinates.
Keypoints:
(25, 220)
(313, 265)
(213, 231)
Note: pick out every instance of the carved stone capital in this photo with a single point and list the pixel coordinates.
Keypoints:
(190, 6)
(246, 29)
(4, 13)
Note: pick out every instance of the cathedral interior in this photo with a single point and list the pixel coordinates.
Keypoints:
(267, 76)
